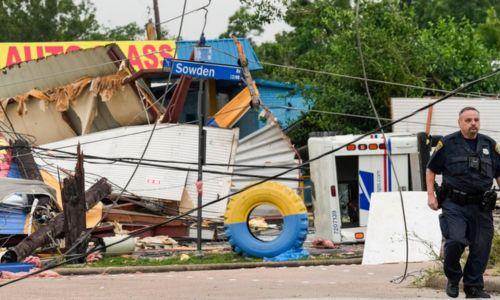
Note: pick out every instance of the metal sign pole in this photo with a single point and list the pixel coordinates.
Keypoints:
(201, 161)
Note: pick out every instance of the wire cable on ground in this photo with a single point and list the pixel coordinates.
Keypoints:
(387, 148)
(137, 232)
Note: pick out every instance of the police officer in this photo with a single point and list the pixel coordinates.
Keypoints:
(468, 161)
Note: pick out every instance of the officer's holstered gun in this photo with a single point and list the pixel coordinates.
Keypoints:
(489, 200)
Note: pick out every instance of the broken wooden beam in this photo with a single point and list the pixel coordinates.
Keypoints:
(73, 199)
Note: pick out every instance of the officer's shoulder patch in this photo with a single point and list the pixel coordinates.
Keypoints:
(440, 145)
(497, 148)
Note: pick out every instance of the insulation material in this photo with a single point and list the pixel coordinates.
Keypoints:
(385, 238)
(89, 105)
(63, 96)
(5, 158)
(172, 142)
(268, 147)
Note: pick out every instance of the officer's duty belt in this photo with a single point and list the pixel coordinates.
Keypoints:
(462, 198)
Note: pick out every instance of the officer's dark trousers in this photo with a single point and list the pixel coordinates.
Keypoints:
(465, 226)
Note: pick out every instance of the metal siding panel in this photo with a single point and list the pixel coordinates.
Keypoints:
(12, 220)
(169, 142)
(268, 146)
(275, 93)
(445, 115)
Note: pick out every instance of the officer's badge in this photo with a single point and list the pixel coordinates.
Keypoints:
(440, 145)
(486, 151)
(497, 148)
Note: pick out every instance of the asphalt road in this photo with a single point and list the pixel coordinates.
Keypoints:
(319, 282)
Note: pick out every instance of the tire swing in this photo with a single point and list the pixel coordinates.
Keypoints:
(289, 204)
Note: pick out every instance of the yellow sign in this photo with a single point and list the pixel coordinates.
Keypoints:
(141, 54)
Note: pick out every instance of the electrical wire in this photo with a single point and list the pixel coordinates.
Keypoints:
(134, 233)
(89, 232)
(153, 165)
(387, 148)
(306, 110)
(170, 125)
(187, 13)
(357, 77)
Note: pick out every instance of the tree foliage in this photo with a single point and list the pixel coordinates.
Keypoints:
(56, 20)
(397, 48)
(243, 23)
(474, 11)
(490, 30)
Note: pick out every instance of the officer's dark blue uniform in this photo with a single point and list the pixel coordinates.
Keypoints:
(468, 168)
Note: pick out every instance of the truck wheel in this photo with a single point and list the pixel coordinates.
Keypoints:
(289, 204)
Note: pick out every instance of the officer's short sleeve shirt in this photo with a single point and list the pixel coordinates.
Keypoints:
(496, 157)
(437, 161)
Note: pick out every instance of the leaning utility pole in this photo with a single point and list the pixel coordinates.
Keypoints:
(157, 20)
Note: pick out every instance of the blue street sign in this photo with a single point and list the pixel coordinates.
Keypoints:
(203, 70)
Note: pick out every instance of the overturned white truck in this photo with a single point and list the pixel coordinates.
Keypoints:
(343, 181)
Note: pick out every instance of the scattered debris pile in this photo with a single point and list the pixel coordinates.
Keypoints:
(87, 109)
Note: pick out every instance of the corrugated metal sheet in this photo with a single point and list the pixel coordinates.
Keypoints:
(223, 52)
(274, 93)
(268, 147)
(12, 220)
(174, 142)
(281, 98)
(56, 70)
(445, 115)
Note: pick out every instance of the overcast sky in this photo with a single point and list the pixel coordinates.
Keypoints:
(120, 12)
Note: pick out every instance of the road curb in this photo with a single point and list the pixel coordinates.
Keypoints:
(204, 267)
(491, 283)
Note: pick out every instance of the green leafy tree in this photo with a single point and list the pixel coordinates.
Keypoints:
(56, 20)
(475, 11)
(243, 23)
(490, 31)
(396, 49)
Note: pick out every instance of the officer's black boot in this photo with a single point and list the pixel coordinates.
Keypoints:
(452, 290)
(475, 292)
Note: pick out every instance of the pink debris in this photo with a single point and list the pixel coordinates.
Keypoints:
(93, 257)
(34, 260)
(44, 274)
(324, 244)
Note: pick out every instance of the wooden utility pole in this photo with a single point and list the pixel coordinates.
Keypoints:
(150, 30)
(73, 199)
(26, 162)
(246, 74)
(157, 20)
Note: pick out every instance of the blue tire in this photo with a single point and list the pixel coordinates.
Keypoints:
(290, 205)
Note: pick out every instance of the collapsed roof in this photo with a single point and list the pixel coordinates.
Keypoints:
(75, 93)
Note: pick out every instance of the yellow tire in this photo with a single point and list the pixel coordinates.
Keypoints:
(289, 204)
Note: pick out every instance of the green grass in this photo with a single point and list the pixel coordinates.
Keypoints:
(421, 280)
(494, 261)
(493, 264)
(212, 258)
(119, 261)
